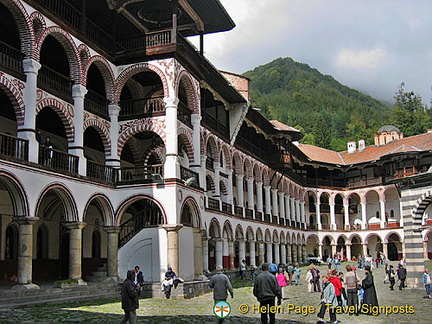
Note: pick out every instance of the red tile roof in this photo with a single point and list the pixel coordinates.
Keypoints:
(417, 143)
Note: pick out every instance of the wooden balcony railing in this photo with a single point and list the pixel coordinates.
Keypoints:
(190, 178)
(52, 81)
(238, 211)
(213, 204)
(275, 219)
(405, 172)
(184, 114)
(267, 218)
(96, 104)
(226, 208)
(139, 175)
(210, 163)
(58, 160)
(249, 213)
(144, 107)
(101, 172)
(13, 147)
(11, 58)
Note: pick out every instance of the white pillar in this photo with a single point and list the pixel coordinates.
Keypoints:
(346, 214)
(382, 213)
(240, 193)
(218, 253)
(242, 250)
(332, 217)
(171, 168)
(230, 186)
(205, 253)
(318, 215)
(283, 253)
(77, 148)
(287, 209)
(293, 210)
(297, 207)
(114, 157)
(364, 215)
(27, 131)
(276, 253)
(274, 195)
(282, 205)
(252, 252)
(302, 214)
(217, 192)
(196, 125)
(259, 189)
(267, 200)
(269, 252)
(250, 193)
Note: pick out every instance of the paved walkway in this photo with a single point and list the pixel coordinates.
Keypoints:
(199, 310)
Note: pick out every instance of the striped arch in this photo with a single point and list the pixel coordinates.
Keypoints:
(266, 177)
(68, 45)
(135, 69)
(15, 188)
(390, 234)
(130, 200)
(210, 140)
(105, 207)
(196, 218)
(227, 231)
(248, 167)
(130, 128)
(23, 21)
(224, 186)
(102, 127)
(214, 230)
(13, 90)
(257, 173)
(259, 234)
(159, 151)
(210, 180)
(64, 113)
(250, 234)
(239, 234)
(188, 142)
(225, 149)
(238, 163)
(38, 23)
(66, 197)
(421, 205)
(106, 71)
(185, 79)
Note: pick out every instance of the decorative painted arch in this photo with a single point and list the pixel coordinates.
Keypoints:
(282, 237)
(186, 80)
(105, 207)
(390, 234)
(227, 230)
(188, 142)
(250, 234)
(426, 235)
(238, 163)
(102, 127)
(38, 23)
(248, 168)
(106, 71)
(15, 188)
(214, 228)
(23, 21)
(209, 179)
(129, 72)
(196, 217)
(211, 142)
(266, 177)
(128, 201)
(65, 113)
(313, 237)
(343, 236)
(14, 91)
(330, 237)
(275, 238)
(68, 45)
(130, 128)
(239, 234)
(66, 197)
(366, 239)
(259, 235)
(421, 205)
(257, 173)
(227, 155)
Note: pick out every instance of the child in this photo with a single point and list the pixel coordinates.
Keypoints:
(297, 274)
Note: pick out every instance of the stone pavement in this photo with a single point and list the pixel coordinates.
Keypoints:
(199, 310)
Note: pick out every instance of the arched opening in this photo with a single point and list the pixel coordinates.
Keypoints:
(95, 100)
(42, 242)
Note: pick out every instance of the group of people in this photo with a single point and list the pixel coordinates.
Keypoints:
(367, 260)
(46, 146)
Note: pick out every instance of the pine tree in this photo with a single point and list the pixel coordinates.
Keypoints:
(322, 133)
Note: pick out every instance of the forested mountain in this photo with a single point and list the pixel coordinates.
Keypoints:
(329, 113)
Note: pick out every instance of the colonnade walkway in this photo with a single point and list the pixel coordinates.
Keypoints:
(199, 310)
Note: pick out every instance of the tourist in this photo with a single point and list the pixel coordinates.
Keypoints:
(168, 282)
(266, 289)
(329, 301)
(273, 268)
(282, 281)
(139, 277)
(402, 274)
(221, 285)
(309, 279)
(370, 298)
(337, 284)
(290, 272)
(297, 271)
(427, 282)
(315, 278)
(130, 294)
(243, 269)
(351, 287)
(329, 261)
(391, 277)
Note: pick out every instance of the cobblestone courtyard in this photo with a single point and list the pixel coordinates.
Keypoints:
(200, 309)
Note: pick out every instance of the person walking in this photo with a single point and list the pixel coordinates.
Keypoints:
(329, 301)
(130, 293)
(351, 287)
(221, 285)
(282, 281)
(139, 277)
(402, 274)
(391, 277)
(243, 269)
(309, 279)
(297, 272)
(290, 272)
(316, 279)
(370, 298)
(427, 282)
(337, 284)
(329, 262)
(266, 289)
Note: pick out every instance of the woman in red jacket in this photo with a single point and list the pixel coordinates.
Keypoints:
(337, 283)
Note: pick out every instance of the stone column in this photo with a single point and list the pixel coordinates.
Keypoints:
(276, 253)
(283, 253)
(231, 253)
(259, 189)
(112, 252)
(382, 214)
(252, 256)
(333, 247)
(242, 250)
(261, 253)
(250, 193)
(304, 253)
(282, 205)
(171, 168)
(196, 125)
(172, 245)
(333, 225)
(299, 253)
(293, 210)
(27, 131)
(318, 215)
(114, 158)
(217, 194)
(267, 200)
(385, 251)
(75, 251)
(205, 254)
(218, 252)
(77, 148)
(287, 210)
(303, 214)
(230, 188)
(25, 252)
(346, 214)
(198, 262)
(297, 207)
(269, 252)
(364, 249)
(294, 253)
(289, 254)
(275, 209)
(348, 252)
(240, 193)
(364, 215)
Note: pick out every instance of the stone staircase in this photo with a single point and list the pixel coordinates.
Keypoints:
(47, 294)
(99, 275)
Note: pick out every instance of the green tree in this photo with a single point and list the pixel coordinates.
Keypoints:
(322, 133)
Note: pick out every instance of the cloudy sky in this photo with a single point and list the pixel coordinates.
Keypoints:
(369, 45)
